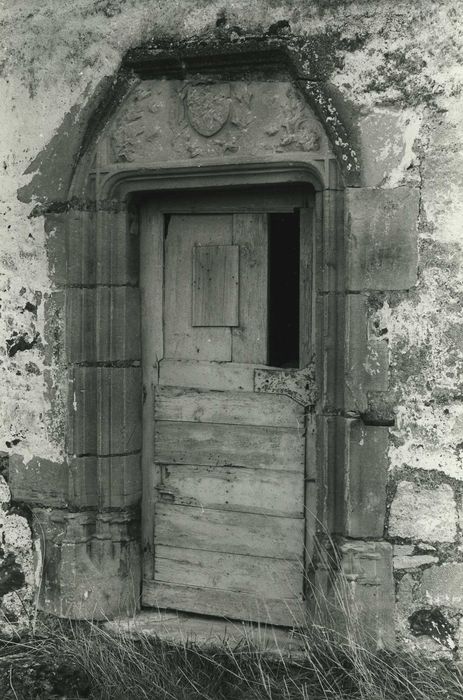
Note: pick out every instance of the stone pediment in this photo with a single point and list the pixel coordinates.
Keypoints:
(163, 120)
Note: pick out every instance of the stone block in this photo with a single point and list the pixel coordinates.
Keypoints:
(443, 585)
(365, 585)
(118, 324)
(423, 513)
(106, 482)
(81, 248)
(330, 474)
(406, 589)
(119, 410)
(105, 411)
(117, 248)
(366, 358)
(366, 477)
(83, 482)
(413, 562)
(80, 325)
(387, 137)
(403, 550)
(38, 480)
(332, 278)
(382, 251)
(91, 567)
(103, 324)
(330, 324)
(311, 520)
(81, 437)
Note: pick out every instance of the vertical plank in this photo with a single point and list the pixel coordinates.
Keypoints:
(215, 285)
(182, 341)
(249, 341)
(151, 288)
(306, 238)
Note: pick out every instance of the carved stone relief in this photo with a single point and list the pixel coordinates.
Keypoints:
(172, 119)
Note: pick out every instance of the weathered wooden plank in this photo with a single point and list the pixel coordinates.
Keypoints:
(234, 488)
(249, 341)
(233, 445)
(270, 578)
(248, 408)
(222, 376)
(227, 531)
(306, 350)
(229, 604)
(181, 340)
(215, 285)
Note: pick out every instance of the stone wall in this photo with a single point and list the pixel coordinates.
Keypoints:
(398, 68)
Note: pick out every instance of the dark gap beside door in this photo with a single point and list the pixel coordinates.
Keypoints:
(283, 292)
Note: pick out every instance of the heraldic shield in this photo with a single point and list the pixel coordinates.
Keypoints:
(208, 107)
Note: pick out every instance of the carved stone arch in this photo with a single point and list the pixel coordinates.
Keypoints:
(265, 121)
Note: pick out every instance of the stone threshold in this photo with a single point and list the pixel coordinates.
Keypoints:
(180, 628)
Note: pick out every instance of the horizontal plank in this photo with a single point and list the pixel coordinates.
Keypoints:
(229, 604)
(223, 376)
(228, 445)
(229, 532)
(240, 407)
(234, 488)
(271, 578)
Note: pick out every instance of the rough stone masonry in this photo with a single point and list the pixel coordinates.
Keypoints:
(398, 67)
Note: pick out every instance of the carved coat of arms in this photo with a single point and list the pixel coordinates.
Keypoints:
(208, 107)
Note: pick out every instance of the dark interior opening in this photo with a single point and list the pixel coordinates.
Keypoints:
(283, 290)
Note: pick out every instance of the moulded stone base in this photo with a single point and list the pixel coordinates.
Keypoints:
(91, 563)
(354, 592)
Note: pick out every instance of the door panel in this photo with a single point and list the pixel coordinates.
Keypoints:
(228, 572)
(226, 464)
(233, 488)
(228, 531)
(211, 444)
(181, 339)
(249, 340)
(215, 285)
(207, 375)
(237, 407)
(235, 605)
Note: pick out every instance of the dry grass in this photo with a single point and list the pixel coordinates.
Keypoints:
(65, 659)
(83, 660)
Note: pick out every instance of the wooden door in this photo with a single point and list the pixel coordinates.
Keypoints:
(224, 464)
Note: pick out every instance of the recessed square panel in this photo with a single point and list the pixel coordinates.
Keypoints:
(215, 285)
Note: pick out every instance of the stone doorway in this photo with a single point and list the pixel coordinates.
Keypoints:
(225, 457)
(264, 125)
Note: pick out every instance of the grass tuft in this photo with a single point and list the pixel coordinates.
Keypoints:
(83, 660)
